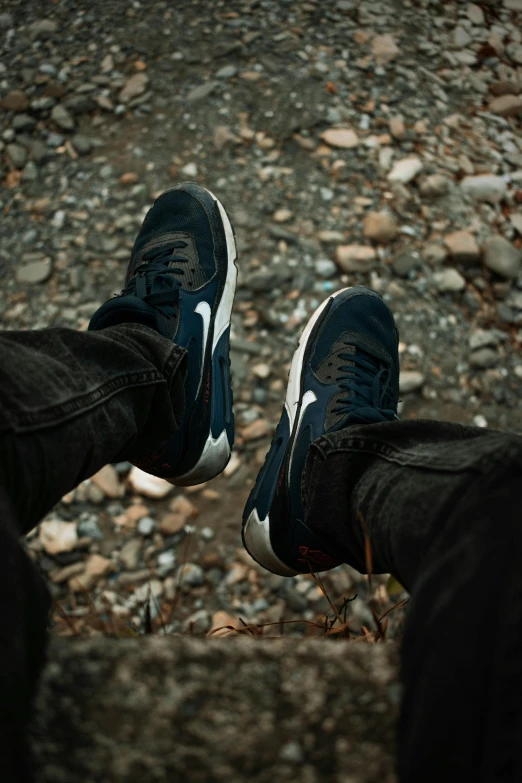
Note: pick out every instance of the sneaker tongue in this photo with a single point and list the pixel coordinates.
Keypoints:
(363, 415)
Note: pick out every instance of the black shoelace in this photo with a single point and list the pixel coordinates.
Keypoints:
(155, 282)
(367, 383)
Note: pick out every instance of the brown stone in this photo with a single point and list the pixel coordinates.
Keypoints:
(384, 48)
(172, 523)
(463, 247)
(340, 137)
(397, 128)
(505, 87)
(16, 100)
(380, 226)
(182, 505)
(506, 106)
(355, 258)
(129, 178)
(107, 480)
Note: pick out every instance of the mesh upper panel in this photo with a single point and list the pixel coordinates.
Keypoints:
(362, 313)
(177, 211)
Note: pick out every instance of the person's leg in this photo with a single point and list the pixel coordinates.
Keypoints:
(70, 402)
(148, 383)
(440, 504)
(24, 607)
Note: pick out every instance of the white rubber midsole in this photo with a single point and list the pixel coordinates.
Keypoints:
(256, 531)
(216, 451)
(256, 535)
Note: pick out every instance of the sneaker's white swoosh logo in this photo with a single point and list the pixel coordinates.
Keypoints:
(203, 309)
(308, 399)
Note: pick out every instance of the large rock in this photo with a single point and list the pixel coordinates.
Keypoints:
(485, 187)
(501, 257)
(161, 709)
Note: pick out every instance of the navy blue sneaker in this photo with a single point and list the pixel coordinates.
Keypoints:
(345, 370)
(181, 282)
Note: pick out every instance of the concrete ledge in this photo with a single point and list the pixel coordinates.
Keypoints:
(157, 709)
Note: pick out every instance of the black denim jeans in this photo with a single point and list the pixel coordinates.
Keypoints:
(69, 403)
(440, 504)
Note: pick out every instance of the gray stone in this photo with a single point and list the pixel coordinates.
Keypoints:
(449, 280)
(484, 358)
(6, 21)
(34, 272)
(434, 186)
(39, 152)
(17, 155)
(200, 92)
(130, 554)
(55, 139)
(43, 104)
(197, 623)
(501, 257)
(475, 14)
(155, 698)
(485, 187)
(480, 338)
(410, 380)
(62, 118)
(43, 29)
(405, 170)
(191, 575)
(30, 172)
(267, 278)
(23, 122)
(146, 526)
(88, 527)
(514, 50)
(405, 263)
(325, 267)
(460, 38)
(226, 72)
(82, 144)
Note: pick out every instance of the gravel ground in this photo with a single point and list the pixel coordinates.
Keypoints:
(352, 142)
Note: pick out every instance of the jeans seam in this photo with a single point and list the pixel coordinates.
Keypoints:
(36, 420)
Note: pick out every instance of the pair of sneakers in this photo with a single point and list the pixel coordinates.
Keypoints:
(181, 282)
